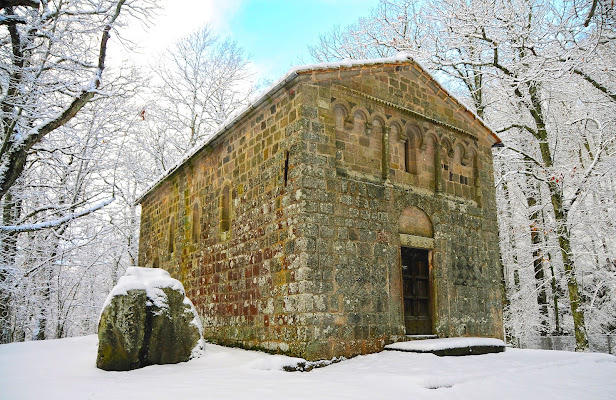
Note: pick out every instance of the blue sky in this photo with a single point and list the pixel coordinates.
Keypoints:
(275, 33)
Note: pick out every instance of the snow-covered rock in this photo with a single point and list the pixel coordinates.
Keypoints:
(147, 319)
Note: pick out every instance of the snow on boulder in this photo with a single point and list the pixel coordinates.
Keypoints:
(147, 319)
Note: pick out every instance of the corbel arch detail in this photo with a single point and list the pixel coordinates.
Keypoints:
(379, 132)
(430, 138)
(447, 147)
(431, 148)
(341, 115)
(396, 131)
(360, 117)
(459, 153)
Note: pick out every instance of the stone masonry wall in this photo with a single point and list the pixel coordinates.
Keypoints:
(224, 225)
(356, 183)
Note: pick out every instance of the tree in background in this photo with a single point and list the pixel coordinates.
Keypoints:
(199, 82)
(65, 243)
(53, 55)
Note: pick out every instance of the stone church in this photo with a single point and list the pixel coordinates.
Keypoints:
(350, 205)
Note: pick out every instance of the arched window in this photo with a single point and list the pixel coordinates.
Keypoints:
(170, 244)
(225, 205)
(413, 141)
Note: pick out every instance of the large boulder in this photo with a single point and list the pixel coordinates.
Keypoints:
(147, 319)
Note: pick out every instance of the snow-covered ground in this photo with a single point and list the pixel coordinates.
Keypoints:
(65, 369)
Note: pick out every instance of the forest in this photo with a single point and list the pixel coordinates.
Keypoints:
(82, 138)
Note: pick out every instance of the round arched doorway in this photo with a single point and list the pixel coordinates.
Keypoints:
(416, 243)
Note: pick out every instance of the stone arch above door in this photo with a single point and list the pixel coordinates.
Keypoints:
(414, 221)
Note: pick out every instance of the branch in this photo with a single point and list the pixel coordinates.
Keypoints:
(525, 155)
(17, 3)
(87, 93)
(11, 19)
(528, 128)
(14, 156)
(57, 209)
(589, 171)
(591, 13)
(596, 84)
(56, 256)
(57, 222)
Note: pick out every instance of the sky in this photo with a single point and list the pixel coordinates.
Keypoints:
(275, 33)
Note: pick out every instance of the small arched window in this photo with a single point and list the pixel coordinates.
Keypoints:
(225, 205)
(411, 145)
(196, 217)
(171, 235)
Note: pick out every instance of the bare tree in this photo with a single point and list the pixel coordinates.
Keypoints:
(60, 257)
(199, 82)
(52, 58)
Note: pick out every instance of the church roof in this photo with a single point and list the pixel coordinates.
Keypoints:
(402, 58)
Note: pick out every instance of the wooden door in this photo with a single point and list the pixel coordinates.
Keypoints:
(416, 291)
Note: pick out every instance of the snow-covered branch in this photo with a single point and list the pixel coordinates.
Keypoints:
(57, 222)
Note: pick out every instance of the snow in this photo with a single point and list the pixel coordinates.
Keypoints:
(65, 369)
(152, 280)
(444, 344)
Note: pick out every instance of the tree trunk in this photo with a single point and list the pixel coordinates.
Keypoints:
(564, 241)
(536, 242)
(11, 211)
(560, 217)
(510, 289)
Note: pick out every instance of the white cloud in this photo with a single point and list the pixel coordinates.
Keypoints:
(176, 19)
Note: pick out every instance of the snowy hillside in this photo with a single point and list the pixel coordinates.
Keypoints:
(64, 369)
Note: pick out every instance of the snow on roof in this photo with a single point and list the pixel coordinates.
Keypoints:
(235, 117)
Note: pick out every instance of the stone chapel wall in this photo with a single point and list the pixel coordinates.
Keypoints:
(285, 229)
(224, 224)
(355, 193)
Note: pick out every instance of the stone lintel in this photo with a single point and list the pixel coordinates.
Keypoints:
(417, 242)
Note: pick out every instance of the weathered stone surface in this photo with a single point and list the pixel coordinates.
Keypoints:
(121, 332)
(147, 319)
(173, 333)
